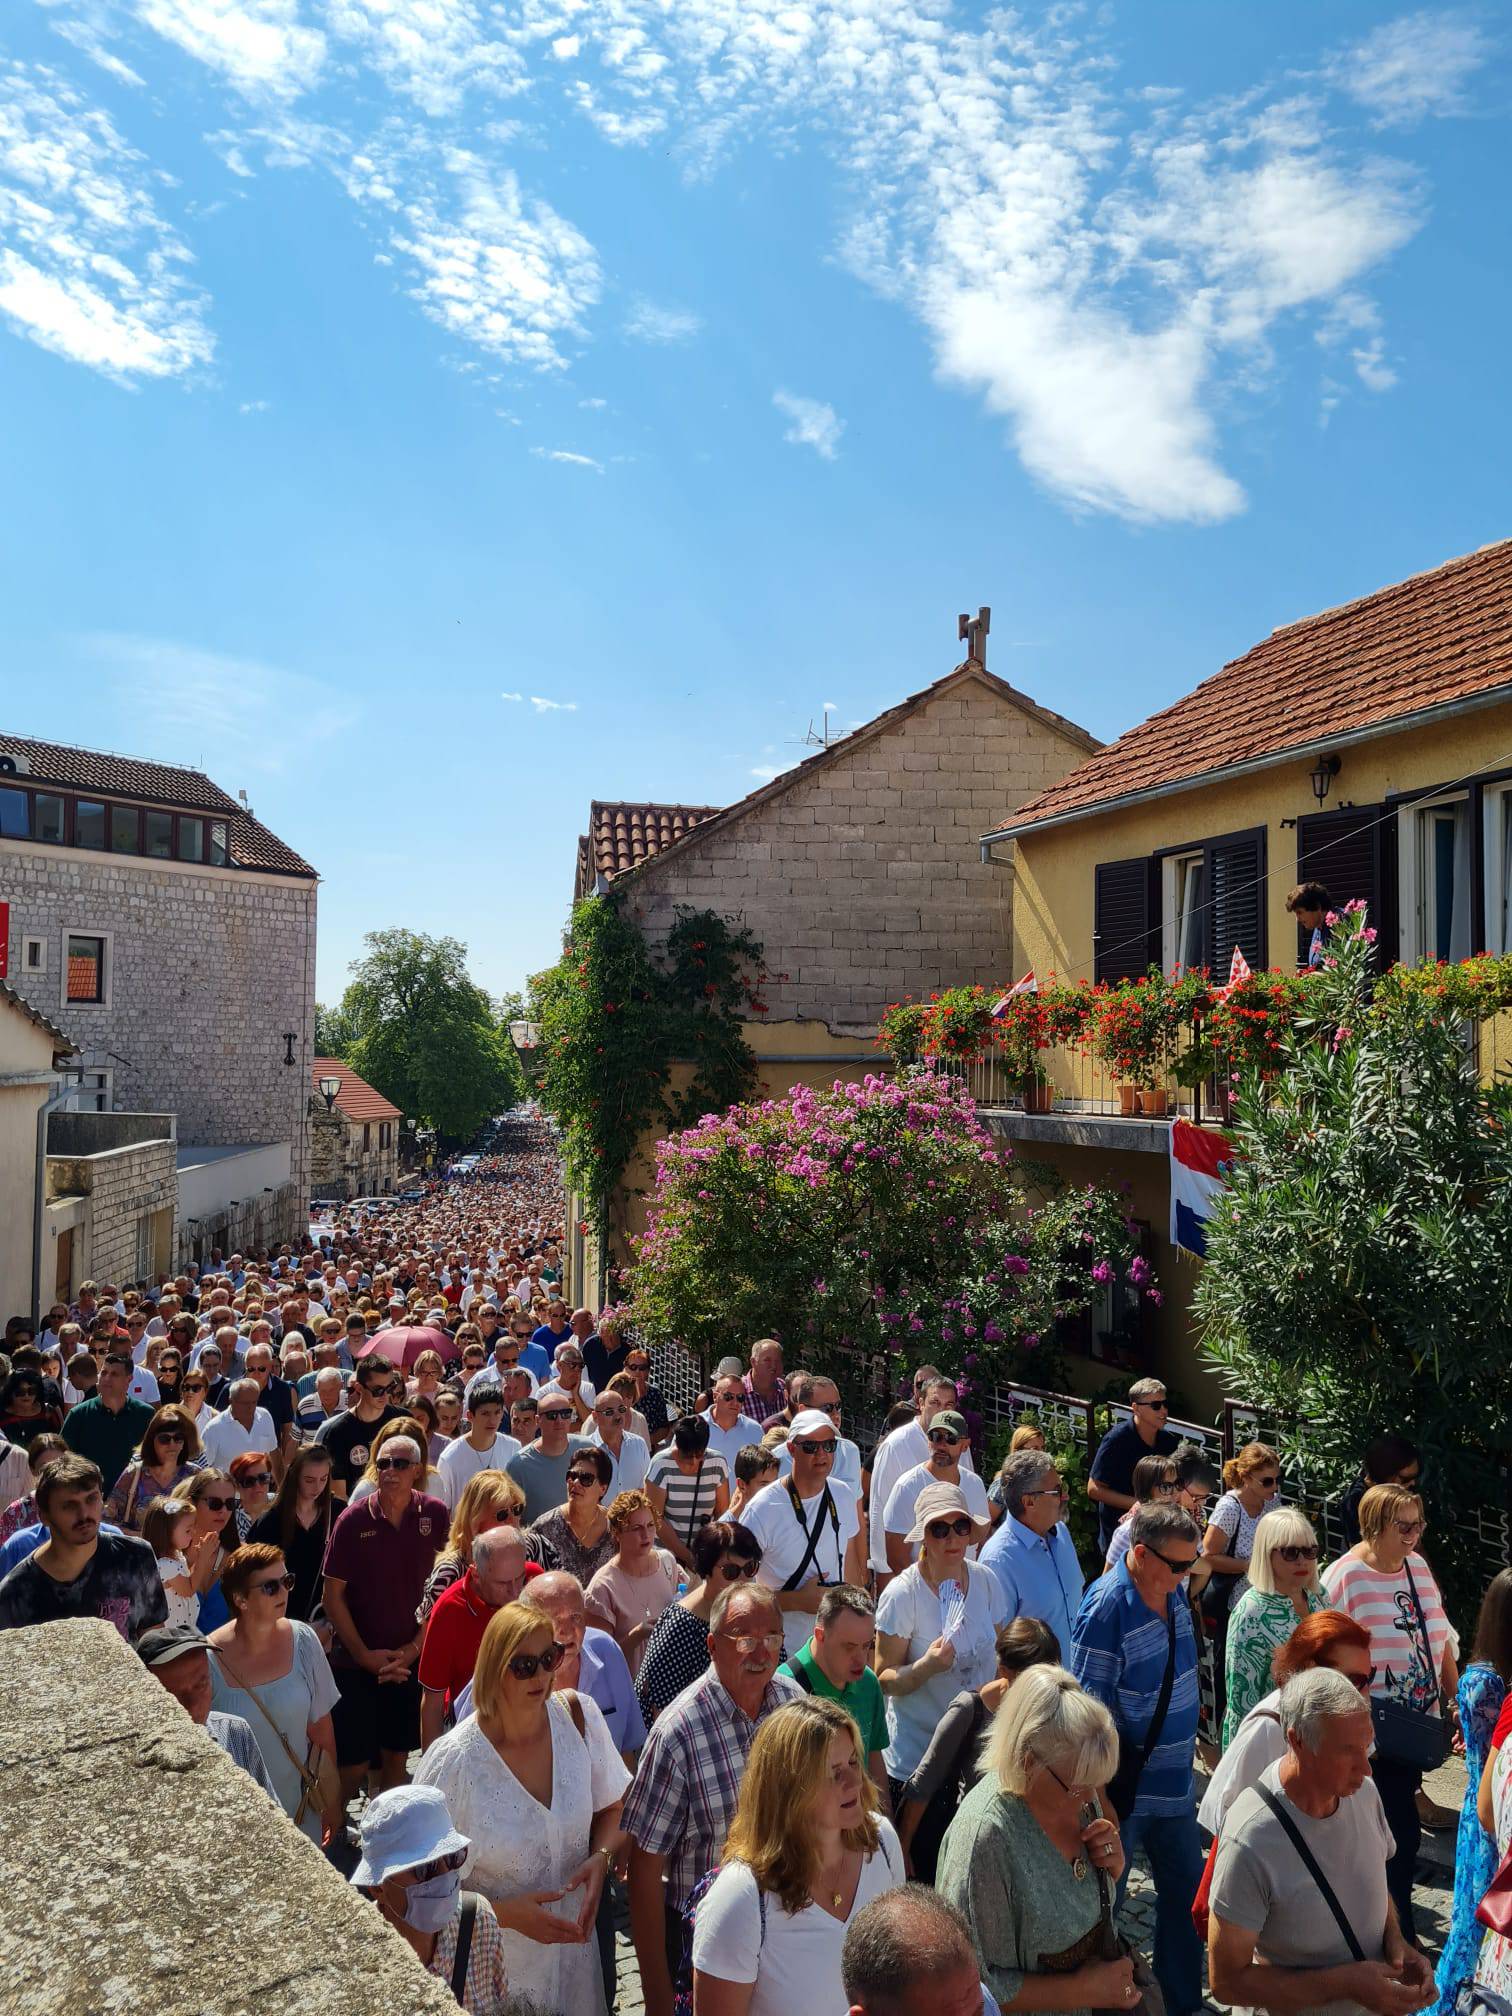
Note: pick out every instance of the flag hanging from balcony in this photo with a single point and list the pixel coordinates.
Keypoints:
(1028, 985)
(1239, 972)
(1200, 1160)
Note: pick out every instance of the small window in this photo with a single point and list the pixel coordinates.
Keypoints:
(157, 841)
(15, 822)
(86, 970)
(1442, 874)
(89, 823)
(367, 1134)
(191, 839)
(33, 955)
(1185, 925)
(49, 819)
(218, 856)
(125, 830)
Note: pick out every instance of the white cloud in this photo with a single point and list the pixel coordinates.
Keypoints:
(593, 405)
(433, 51)
(815, 424)
(261, 47)
(254, 406)
(565, 47)
(86, 37)
(1413, 68)
(767, 771)
(566, 455)
(649, 323)
(832, 706)
(88, 269)
(543, 706)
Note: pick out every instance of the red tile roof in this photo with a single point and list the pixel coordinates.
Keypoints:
(63, 1044)
(356, 1099)
(621, 836)
(1423, 644)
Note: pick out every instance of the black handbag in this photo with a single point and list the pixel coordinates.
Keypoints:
(1410, 1736)
(1149, 2001)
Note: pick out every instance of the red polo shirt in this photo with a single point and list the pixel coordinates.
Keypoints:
(385, 1567)
(453, 1632)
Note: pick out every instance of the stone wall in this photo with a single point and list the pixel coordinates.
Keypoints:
(135, 1837)
(207, 970)
(123, 1187)
(862, 879)
(339, 1164)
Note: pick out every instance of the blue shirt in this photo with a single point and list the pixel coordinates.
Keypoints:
(1118, 1652)
(537, 1354)
(1039, 1577)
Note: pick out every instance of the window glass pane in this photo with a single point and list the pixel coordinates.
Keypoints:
(159, 832)
(1190, 914)
(1505, 943)
(191, 845)
(125, 829)
(86, 969)
(218, 856)
(47, 815)
(89, 824)
(14, 821)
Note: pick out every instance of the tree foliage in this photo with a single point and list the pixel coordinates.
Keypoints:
(424, 1034)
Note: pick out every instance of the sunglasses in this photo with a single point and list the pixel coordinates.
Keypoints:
(219, 1504)
(196, 1386)
(824, 1448)
(1297, 1553)
(273, 1584)
(427, 1872)
(944, 1435)
(526, 1665)
(169, 1435)
(556, 1413)
(1180, 1569)
(612, 1413)
(1267, 1483)
(1155, 1406)
(637, 1365)
(941, 1529)
(587, 1478)
(262, 1477)
(1410, 1527)
(1362, 1681)
(737, 1571)
(394, 1463)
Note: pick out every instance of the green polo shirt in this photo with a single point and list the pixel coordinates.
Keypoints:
(862, 1699)
(91, 1430)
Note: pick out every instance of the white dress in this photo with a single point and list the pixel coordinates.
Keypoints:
(519, 1845)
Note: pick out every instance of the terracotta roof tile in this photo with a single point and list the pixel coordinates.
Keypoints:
(63, 1043)
(356, 1099)
(1437, 638)
(622, 836)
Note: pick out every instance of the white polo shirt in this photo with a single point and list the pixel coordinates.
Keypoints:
(226, 1438)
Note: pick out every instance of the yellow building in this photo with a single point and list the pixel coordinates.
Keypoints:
(1368, 748)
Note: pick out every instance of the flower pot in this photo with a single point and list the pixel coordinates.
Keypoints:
(1038, 1095)
(1128, 1100)
(1153, 1104)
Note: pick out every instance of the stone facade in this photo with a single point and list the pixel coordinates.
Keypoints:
(131, 1202)
(861, 877)
(341, 1165)
(209, 974)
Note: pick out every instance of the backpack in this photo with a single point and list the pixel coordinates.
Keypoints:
(682, 1987)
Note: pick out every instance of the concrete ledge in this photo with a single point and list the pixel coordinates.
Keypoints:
(146, 1871)
(1081, 1130)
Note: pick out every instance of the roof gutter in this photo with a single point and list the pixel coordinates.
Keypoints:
(1319, 745)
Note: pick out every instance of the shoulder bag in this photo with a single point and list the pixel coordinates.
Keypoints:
(1405, 1735)
(1123, 1786)
(812, 1535)
(1149, 2001)
(463, 1958)
(319, 1781)
(1310, 1864)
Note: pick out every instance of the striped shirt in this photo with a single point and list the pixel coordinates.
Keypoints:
(1405, 1670)
(690, 1494)
(1119, 1648)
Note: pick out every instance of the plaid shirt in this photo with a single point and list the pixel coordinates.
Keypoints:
(762, 1408)
(683, 1797)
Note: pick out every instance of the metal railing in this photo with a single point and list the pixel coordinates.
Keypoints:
(1081, 1084)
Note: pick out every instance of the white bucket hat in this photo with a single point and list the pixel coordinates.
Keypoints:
(403, 1828)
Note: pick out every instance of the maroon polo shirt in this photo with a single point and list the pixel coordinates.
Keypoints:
(385, 1567)
(453, 1632)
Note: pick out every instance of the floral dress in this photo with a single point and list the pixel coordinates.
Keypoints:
(1494, 1969)
(1481, 1692)
(1257, 1627)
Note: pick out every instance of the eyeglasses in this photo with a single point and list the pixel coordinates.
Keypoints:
(1362, 1681)
(1180, 1569)
(1080, 1793)
(611, 1413)
(1050, 1491)
(248, 1483)
(941, 1529)
(751, 1642)
(526, 1665)
(637, 1364)
(737, 1571)
(824, 1448)
(1297, 1553)
(427, 1872)
(587, 1478)
(394, 1463)
(944, 1435)
(1410, 1528)
(273, 1584)
(1267, 1483)
(555, 1414)
(218, 1504)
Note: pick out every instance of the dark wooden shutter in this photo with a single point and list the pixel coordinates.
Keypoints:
(1353, 853)
(1125, 918)
(1236, 900)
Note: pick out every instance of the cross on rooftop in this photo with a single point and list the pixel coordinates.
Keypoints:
(972, 630)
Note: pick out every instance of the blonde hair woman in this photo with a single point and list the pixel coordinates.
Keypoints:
(533, 1780)
(1016, 1859)
(806, 1851)
(1283, 1589)
(489, 1499)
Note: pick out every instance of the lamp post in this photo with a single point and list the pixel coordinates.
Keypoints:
(328, 1088)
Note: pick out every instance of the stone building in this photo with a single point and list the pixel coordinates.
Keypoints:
(354, 1140)
(173, 936)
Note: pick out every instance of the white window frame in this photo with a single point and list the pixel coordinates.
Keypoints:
(89, 1086)
(1175, 887)
(1416, 924)
(107, 940)
(35, 968)
(1496, 842)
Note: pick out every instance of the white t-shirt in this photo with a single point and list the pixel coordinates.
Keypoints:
(490, 1374)
(771, 1518)
(460, 1463)
(909, 1608)
(794, 1959)
(724, 1442)
(899, 1516)
(895, 1453)
(1257, 1743)
(226, 1438)
(144, 1386)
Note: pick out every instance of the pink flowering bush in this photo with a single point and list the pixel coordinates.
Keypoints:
(878, 1221)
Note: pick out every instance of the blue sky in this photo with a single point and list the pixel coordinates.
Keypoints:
(433, 414)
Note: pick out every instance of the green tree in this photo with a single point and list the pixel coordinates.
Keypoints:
(334, 1031)
(425, 1035)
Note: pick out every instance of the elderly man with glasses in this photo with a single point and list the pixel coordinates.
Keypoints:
(627, 1452)
(380, 1555)
(1110, 1484)
(1032, 1553)
(809, 1526)
(1132, 1645)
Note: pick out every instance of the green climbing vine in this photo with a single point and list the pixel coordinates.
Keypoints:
(615, 1020)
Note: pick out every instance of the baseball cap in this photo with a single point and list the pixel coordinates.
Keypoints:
(952, 1422)
(166, 1642)
(812, 1421)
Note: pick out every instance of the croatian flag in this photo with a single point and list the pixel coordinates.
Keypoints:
(1239, 972)
(1028, 985)
(1200, 1161)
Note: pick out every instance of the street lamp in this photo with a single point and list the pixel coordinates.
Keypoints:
(329, 1087)
(525, 1035)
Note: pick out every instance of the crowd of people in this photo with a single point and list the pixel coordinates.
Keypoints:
(423, 1548)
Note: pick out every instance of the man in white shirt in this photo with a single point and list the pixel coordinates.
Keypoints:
(629, 1455)
(243, 1426)
(825, 1395)
(730, 1427)
(949, 1441)
(903, 1450)
(809, 1528)
(481, 1448)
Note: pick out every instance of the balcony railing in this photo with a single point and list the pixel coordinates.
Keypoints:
(1080, 1084)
